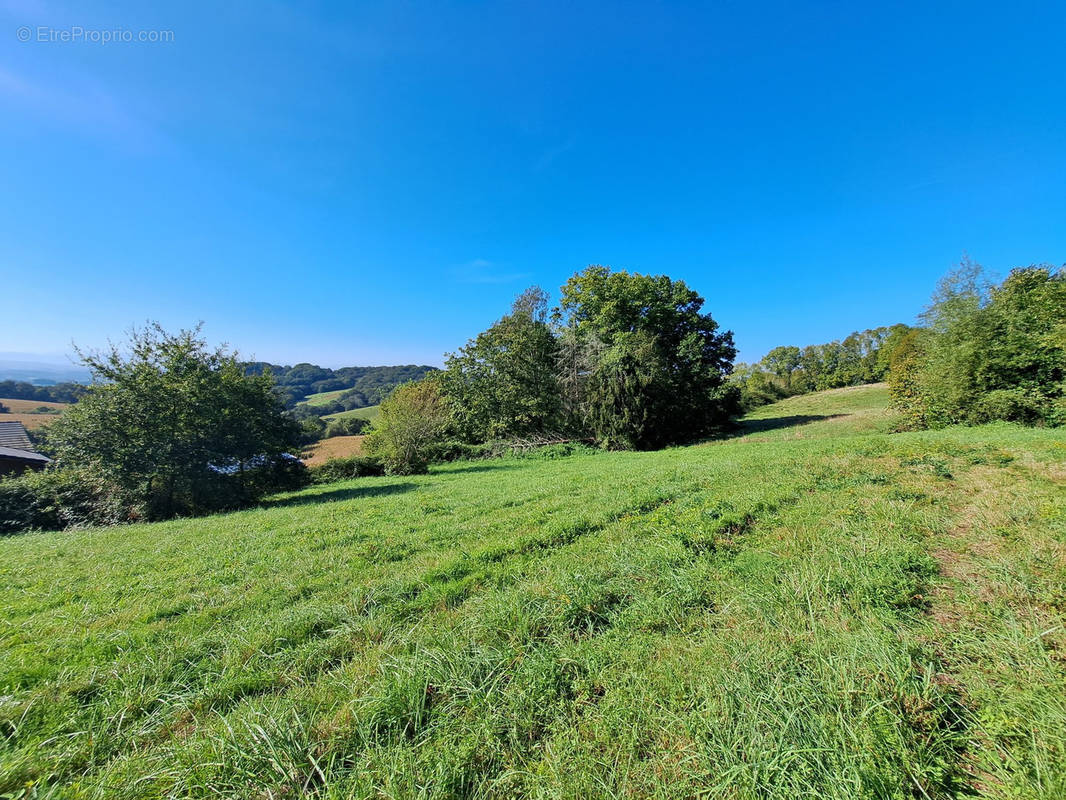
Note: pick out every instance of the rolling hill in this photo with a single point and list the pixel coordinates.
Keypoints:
(815, 607)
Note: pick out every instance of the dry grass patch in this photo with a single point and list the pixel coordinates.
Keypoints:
(334, 447)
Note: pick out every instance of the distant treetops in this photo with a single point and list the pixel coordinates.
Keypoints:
(862, 357)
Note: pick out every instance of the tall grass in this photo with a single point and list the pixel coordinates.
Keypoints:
(807, 610)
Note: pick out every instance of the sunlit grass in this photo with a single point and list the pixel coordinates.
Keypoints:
(807, 610)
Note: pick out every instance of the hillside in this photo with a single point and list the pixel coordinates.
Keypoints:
(369, 413)
(813, 608)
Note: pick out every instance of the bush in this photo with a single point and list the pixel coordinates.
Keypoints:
(176, 428)
(411, 424)
(62, 498)
(343, 469)
(988, 352)
(346, 426)
(1012, 405)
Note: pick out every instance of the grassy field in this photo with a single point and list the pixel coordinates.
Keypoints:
(321, 398)
(333, 447)
(368, 413)
(815, 608)
(28, 412)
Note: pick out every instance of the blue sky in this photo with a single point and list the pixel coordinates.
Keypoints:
(374, 182)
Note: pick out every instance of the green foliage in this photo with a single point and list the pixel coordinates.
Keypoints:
(61, 498)
(354, 387)
(503, 383)
(176, 428)
(342, 469)
(66, 392)
(412, 422)
(642, 365)
(862, 357)
(987, 352)
(346, 426)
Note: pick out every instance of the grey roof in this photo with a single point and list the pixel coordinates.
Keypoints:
(13, 434)
(22, 455)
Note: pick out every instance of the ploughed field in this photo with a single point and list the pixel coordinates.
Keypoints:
(814, 608)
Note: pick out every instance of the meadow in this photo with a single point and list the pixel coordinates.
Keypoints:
(31, 413)
(815, 607)
(321, 398)
(368, 413)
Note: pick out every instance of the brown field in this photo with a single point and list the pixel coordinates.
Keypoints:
(334, 447)
(24, 411)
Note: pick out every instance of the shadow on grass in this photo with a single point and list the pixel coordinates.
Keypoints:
(776, 423)
(477, 467)
(335, 495)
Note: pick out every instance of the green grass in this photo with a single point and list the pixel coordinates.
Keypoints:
(819, 610)
(368, 413)
(321, 398)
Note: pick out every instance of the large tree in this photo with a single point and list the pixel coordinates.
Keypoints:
(503, 382)
(647, 363)
(176, 427)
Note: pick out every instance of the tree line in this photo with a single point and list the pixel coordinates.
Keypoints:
(364, 386)
(623, 361)
(66, 392)
(862, 357)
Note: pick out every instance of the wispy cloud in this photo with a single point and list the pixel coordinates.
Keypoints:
(481, 270)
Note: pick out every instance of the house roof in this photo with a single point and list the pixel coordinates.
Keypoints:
(22, 455)
(13, 434)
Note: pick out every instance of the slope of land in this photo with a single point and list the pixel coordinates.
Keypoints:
(368, 413)
(806, 610)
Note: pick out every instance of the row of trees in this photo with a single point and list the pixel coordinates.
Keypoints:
(66, 392)
(862, 357)
(986, 352)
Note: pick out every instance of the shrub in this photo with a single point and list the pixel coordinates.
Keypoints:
(62, 498)
(175, 428)
(412, 422)
(346, 426)
(343, 469)
(988, 352)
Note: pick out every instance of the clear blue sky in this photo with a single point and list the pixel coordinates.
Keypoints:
(374, 182)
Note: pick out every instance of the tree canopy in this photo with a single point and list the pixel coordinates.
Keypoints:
(503, 383)
(175, 427)
(987, 352)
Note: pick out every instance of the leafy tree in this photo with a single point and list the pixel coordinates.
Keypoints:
(988, 352)
(782, 362)
(655, 364)
(411, 423)
(176, 428)
(503, 382)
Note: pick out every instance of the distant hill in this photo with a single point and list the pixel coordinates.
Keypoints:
(337, 389)
(41, 373)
